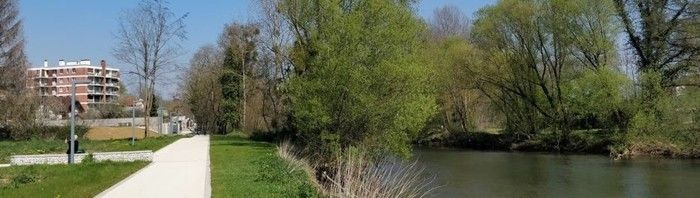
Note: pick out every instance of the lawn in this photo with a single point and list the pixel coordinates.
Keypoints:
(38, 146)
(80, 180)
(241, 167)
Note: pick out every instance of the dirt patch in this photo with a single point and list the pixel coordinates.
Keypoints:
(112, 133)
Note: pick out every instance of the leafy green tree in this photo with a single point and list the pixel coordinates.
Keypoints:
(532, 49)
(360, 80)
(599, 99)
(239, 43)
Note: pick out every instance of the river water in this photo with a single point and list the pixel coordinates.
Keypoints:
(503, 174)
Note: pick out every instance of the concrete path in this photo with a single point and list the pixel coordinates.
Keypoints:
(180, 169)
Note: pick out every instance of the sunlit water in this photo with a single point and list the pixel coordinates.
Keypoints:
(502, 174)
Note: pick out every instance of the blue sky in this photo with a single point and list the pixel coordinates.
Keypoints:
(77, 29)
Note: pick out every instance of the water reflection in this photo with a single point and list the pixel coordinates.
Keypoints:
(501, 174)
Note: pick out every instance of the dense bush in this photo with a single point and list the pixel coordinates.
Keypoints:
(359, 85)
(41, 132)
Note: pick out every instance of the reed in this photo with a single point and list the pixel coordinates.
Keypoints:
(356, 174)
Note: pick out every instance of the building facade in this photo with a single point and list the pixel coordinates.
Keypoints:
(55, 81)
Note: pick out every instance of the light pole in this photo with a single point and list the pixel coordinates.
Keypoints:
(133, 120)
(71, 156)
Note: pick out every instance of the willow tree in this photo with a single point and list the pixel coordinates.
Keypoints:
(532, 49)
(360, 80)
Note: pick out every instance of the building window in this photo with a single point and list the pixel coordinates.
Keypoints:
(73, 70)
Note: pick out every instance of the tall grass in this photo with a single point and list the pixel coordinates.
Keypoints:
(356, 174)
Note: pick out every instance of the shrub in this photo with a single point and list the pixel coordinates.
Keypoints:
(40, 132)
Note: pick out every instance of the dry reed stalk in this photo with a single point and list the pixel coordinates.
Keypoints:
(355, 176)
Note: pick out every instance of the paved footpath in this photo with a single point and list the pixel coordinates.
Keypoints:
(180, 169)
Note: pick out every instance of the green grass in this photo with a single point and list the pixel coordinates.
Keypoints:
(38, 146)
(241, 167)
(81, 180)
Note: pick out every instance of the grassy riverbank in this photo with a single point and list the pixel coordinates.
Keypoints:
(241, 167)
(581, 141)
(80, 180)
(44, 146)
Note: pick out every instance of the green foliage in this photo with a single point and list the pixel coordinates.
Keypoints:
(664, 121)
(23, 178)
(598, 98)
(654, 107)
(461, 104)
(239, 42)
(532, 50)
(362, 80)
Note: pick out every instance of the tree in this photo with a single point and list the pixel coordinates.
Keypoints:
(663, 36)
(202, 90)
(449, 21)
(239, 43)
(274, 66)
(359, 78)
(148, 40)
(17, 104)
(531, 50)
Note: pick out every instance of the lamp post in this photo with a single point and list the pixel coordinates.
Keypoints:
(133, 120)
(71, 156)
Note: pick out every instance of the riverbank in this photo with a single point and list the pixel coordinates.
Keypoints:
(240, 166)
(598, 142)
(583, 141)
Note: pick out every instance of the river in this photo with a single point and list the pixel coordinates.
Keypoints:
(504, 174)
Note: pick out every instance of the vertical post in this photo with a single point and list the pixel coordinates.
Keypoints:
(160, 120)
(133, 124)
(71, 156)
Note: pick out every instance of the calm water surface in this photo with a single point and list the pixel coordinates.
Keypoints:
(502, 174)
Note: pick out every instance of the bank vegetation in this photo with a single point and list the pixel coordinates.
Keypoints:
(618, 77)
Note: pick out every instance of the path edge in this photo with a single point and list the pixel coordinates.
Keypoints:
(114, 186)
